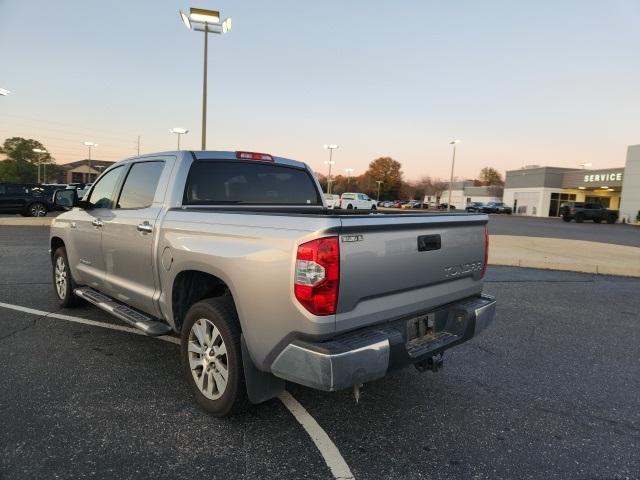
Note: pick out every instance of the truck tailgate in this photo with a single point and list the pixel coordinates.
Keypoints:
(395, 265)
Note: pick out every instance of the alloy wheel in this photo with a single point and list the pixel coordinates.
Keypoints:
(61, 278)
(208, 359)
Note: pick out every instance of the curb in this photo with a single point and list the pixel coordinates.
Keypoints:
(596, 269)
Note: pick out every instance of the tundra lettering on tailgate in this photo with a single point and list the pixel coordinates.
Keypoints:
(457, 270)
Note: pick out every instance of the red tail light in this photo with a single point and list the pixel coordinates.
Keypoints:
(264, 157)
(317, 275)
(486, 251)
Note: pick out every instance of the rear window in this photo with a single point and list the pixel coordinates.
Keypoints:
(249, 183)
(349, 196)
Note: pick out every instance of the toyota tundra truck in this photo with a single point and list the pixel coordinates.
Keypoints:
(237, 254)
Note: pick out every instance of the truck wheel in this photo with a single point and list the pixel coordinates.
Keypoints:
(580, 217)
(63, 283)
(597, 220)
(611, 219)
(212, 356)
(566, 218)
(349, 207)
(373, 207)
(37, 209)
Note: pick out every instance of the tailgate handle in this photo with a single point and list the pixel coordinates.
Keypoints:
(429, 242)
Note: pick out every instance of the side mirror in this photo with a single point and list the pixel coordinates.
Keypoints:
(66, 199)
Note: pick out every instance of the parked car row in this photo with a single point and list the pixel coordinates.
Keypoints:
(490, 207)
(350, 201)
(34, 200)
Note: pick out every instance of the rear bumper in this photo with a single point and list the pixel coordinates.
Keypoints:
(369, 353)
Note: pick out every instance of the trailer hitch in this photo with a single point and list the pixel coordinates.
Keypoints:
(434, 363)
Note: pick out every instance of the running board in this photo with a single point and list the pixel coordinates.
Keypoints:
(128, 315)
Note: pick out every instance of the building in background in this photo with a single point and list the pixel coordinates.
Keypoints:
(465, 192)
(82, 171)
(540, 191)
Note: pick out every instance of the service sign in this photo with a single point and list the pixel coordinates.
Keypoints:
(603, 177)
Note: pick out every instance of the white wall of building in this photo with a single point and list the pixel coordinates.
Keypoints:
(459, 199)
(630, 204)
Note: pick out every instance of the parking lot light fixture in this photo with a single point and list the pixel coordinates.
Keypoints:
(453, 162)
(206, 21)
(4, 92)
(179, 132)
(379, 182)
(331, 148)
(90, 145)
(349, 172)
(40, 152)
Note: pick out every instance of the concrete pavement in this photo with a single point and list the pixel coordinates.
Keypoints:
(563, 254)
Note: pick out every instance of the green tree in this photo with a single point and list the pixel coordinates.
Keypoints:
(389, 171)
(22, 161)
(490, 176)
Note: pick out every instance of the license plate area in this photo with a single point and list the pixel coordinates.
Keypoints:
(421, 329)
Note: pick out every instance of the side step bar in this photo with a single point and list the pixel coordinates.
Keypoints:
(128, 315)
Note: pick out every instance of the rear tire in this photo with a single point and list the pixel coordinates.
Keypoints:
(580, 217)
(63, 283)
(373, 208)
(349, 207)
(566, 219)
(37, 209)
(212, 356)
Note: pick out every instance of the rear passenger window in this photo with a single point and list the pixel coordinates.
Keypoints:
(140, 185)
(249, 183)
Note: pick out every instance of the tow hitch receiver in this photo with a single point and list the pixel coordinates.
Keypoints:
(434, 363)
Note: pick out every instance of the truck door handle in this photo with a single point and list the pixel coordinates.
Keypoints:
(97, 223)
(144, 227)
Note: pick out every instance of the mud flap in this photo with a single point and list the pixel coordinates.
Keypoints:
(261, 386)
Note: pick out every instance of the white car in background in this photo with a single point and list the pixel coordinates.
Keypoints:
(332, 201)
(357, 201)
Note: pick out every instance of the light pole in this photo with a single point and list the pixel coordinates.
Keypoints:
(331, 148)
(89, 145)
(207, 21)
(453, 162)
(4, 92)
(349, 172)
(178, 131)
(379, 182)
(39, 151)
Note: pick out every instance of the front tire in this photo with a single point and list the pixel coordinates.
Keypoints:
(212, 356)
(566, 219)
(373, 208)
(63, 283)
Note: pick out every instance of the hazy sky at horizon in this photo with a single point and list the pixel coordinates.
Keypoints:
(552, 83)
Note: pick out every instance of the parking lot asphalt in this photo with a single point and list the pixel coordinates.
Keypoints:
(616, 233)
(549, 391)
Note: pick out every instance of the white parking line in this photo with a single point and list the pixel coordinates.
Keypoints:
(319, 437)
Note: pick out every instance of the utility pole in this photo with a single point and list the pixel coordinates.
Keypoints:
(379, 182)
(138, 145)
(453, 162)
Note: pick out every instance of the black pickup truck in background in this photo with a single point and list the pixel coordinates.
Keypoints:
(580, 212)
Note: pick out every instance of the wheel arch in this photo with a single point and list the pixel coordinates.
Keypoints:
(54, 244)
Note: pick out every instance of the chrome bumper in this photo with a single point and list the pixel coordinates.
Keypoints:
(368, 354)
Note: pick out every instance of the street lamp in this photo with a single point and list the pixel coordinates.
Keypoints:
(453, 162)
(89, 145)
(349, 172)
(4, 92)
(179, 132)
(207, 21)
(379, 182)
(40, 151)
(331, 148)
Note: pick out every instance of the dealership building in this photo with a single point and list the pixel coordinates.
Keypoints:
(540, 191)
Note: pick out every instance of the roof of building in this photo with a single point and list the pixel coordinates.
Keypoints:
(94, 163)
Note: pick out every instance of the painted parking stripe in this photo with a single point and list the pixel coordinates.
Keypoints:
(319, 437)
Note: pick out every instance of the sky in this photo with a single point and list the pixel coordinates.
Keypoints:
(519, 83)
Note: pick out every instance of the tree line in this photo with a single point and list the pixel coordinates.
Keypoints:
(394, 186)
(21, 165)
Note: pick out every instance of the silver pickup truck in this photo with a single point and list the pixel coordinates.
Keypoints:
(237, 254)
